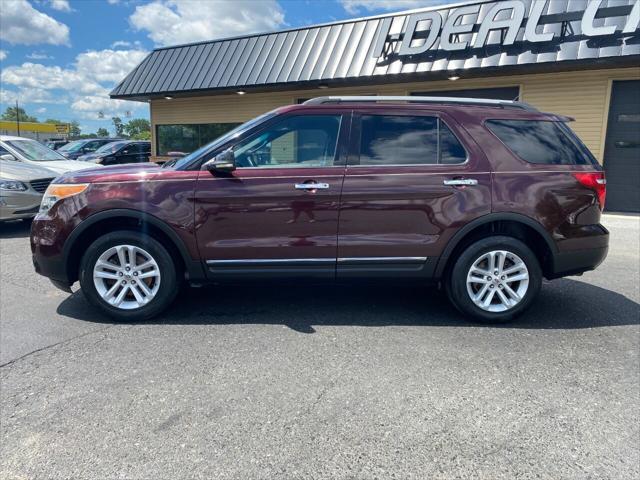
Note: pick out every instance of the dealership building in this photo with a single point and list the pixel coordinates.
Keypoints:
(576, 58)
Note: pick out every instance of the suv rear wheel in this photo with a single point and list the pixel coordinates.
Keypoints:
(128, 275)
(495, 279)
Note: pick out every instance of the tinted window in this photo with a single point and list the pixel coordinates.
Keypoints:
(451, 150)
(408, 140)
(296, 141)
(538, 141)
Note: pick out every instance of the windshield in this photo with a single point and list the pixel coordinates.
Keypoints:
(110, 147)
(183, 162)
(34, 151)
(73, 146)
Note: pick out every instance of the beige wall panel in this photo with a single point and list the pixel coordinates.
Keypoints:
(582, 95)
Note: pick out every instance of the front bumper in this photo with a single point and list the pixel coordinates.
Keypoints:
(15, 205)
(48, 236)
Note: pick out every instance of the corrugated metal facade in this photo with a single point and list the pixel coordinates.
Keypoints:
(343, 51)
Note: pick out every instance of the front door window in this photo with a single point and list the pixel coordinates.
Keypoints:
(297, 141)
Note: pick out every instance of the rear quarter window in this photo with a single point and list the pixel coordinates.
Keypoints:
(541, 142)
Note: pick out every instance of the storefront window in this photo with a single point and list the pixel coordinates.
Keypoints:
(189, 137)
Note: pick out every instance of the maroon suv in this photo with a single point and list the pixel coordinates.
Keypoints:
(482, 197)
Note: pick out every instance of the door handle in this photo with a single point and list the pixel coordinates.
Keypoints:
(461, 182)
(311, 186)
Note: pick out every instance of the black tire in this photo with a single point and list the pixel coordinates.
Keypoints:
(457, 278)
(169, 284)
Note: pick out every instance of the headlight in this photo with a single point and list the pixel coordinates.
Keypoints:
(59, 191)
(96, 159)
(12, 185)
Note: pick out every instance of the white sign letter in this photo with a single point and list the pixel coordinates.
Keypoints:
(588, 28)
(634, 19)
(512, 24)
(434, 29)
(530, 33)
(450, 28)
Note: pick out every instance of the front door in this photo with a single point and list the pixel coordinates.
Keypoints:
(277, 213)
(622, 148)
(412, 180)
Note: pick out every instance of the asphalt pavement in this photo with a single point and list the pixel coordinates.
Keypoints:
(322, 382)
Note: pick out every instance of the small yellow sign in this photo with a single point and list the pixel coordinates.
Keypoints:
(11, 126)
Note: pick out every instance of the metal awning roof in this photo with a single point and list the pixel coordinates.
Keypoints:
(343, 52)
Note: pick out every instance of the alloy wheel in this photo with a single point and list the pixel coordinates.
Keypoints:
(126, 277)
(497, 281)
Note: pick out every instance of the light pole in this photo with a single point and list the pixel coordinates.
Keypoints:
(18, 117)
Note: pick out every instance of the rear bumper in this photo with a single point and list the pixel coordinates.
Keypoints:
(577, 261)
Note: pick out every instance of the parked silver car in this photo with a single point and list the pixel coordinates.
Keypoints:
(21, 188)
(29, 151)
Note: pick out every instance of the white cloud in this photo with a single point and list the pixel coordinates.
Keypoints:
(90, 106)
(86, 85)
(3, 54)
(356, 6)
(60, 5)
(41, 110)
(125, 44)
(113, 2)
(35, 75)
(108, 65)
(39, 56)
(23, 24)
(171, 22)
(30, 95)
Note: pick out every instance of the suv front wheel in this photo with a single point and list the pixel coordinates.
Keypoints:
(128, 275)
(495, 279)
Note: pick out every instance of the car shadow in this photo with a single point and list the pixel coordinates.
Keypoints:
(15, 229)
(563, 304)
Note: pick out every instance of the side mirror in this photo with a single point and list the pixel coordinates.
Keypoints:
(224, 162)
(8, 157)
(125, 152)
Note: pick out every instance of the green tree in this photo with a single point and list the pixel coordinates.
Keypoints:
(138, 129)
(11, 114)
(118, 126)
(102, 132)
(74, 128)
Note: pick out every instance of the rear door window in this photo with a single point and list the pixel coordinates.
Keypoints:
(540, 142)
(408, 140)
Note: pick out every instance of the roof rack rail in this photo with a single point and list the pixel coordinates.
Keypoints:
(425, 100)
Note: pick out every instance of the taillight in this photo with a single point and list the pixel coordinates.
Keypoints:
(594, 181)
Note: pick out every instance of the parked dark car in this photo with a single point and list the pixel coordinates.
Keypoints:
(484, 198)
(124, 151)
(77, 148)
(55, 144)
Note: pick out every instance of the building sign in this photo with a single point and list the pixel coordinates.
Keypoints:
(422, 30)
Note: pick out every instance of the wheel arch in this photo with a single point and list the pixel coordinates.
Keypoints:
(125, 219)
(516, 225)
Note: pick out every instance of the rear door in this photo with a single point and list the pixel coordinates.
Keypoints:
(413, 179)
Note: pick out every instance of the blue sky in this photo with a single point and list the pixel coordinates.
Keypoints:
(60, 58)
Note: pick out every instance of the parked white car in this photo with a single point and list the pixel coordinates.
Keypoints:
(21, 187)
(30, 151)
